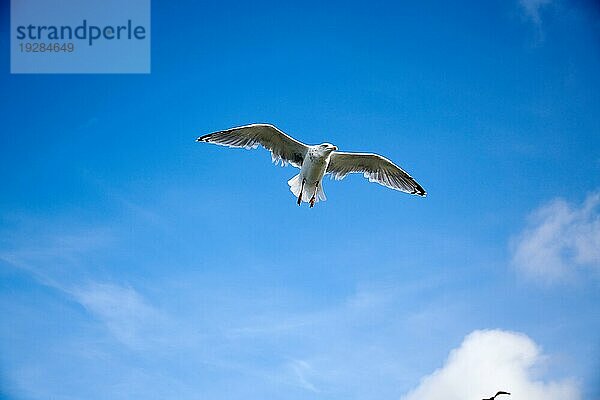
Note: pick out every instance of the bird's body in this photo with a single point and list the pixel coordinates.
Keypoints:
(315, 161)
(308, 184)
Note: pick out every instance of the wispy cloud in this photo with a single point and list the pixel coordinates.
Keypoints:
(343, 348)
(53, 257)
(126, 314)
(61, 261)
(559, 240)
(488, 361)
(301, 370)
(532, 9)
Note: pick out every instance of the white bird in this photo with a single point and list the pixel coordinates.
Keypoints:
(315, 161)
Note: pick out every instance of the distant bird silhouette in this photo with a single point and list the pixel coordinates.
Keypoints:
(494, 396)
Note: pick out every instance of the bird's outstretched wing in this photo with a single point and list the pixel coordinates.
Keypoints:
(375, 168)
(282, 147)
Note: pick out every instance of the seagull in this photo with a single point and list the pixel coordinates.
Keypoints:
(315, 161)
(494, 396)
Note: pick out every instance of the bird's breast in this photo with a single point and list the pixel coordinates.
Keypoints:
(314, 167)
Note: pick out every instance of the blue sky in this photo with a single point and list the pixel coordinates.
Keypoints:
(135, 262)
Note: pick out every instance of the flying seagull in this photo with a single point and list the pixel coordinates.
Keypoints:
(494, 396)
(315, 161)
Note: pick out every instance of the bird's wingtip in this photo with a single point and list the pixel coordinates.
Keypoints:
(419, 192)
(203, 138)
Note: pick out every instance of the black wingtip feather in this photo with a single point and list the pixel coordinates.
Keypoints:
(204, 138)
(418, 190)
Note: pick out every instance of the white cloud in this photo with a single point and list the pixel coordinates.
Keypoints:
(559, 239)
(488, 361)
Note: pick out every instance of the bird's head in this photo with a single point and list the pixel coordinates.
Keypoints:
(328, 147)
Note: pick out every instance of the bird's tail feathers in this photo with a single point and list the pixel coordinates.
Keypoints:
(321, 193)
(296, 185)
